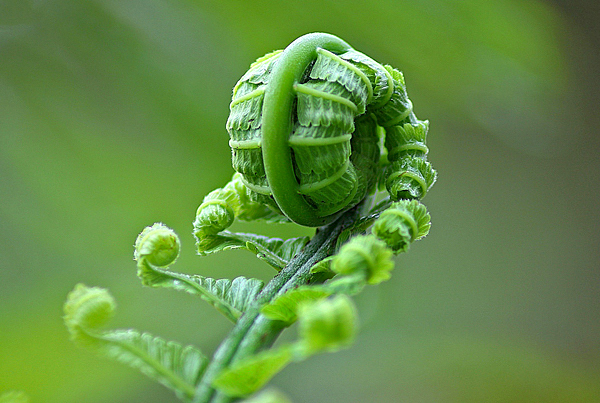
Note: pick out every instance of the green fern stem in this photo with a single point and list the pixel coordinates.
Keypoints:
(277, 122)
(253, 331)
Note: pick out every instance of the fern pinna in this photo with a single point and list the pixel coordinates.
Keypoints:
(323, 136)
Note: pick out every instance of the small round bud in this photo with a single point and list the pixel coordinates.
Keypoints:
(365, 254)
(213, 216)
(404, 222)
(87, 308)
(327, 324)
(158, 244)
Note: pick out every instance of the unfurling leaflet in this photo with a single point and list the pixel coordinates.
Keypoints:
(177, 367)
(327, 324)
(404, 222)
(158, 245)
(367, 255)
(87, 309)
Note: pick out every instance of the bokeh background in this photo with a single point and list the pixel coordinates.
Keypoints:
(112, 117)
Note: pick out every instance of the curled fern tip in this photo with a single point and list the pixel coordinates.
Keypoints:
(158, 245)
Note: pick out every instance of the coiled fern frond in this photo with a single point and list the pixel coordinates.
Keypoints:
(305, 127)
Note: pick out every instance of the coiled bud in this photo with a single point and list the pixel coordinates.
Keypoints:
(304, 127)
(404, 222)
(364, 254)
(87, 308)
(215, 214)
(327, 324)
(158, 245)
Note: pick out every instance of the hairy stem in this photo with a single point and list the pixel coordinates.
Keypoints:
(253, 331)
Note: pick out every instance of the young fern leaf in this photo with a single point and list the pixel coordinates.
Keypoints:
(222, 206)
(410, 178)
(324, 103)
(327, 325)
(367, 256)
(178, 368)
(250, 374)
(404, 222)
(276, 252)
(315, 130)
(230, 297)
(285, 307)
(158, 245)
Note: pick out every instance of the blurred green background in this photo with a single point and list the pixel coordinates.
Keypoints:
(112, 116)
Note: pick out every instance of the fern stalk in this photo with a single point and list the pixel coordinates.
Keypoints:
(253, 331)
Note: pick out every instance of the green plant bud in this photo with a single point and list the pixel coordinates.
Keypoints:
(158, 245)
(303, 127)
(410, 178)
(87, 308)
(327, 324)
(365, 254)
(402, 223)
(213, 216)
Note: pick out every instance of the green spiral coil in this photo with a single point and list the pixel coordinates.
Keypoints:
(306, 125)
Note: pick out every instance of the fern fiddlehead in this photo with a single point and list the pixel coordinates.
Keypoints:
(304, 127)
(316, 130)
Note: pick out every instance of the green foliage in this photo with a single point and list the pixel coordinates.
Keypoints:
(404, 222)
(367, 256)
(327, 324)
(334, 166)
(230, 297)
(158, 245)
(353, 128)
(285, 307)
(410, 178)
(274, 251)
(87, 308)
(250, 374)
(177, 367)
